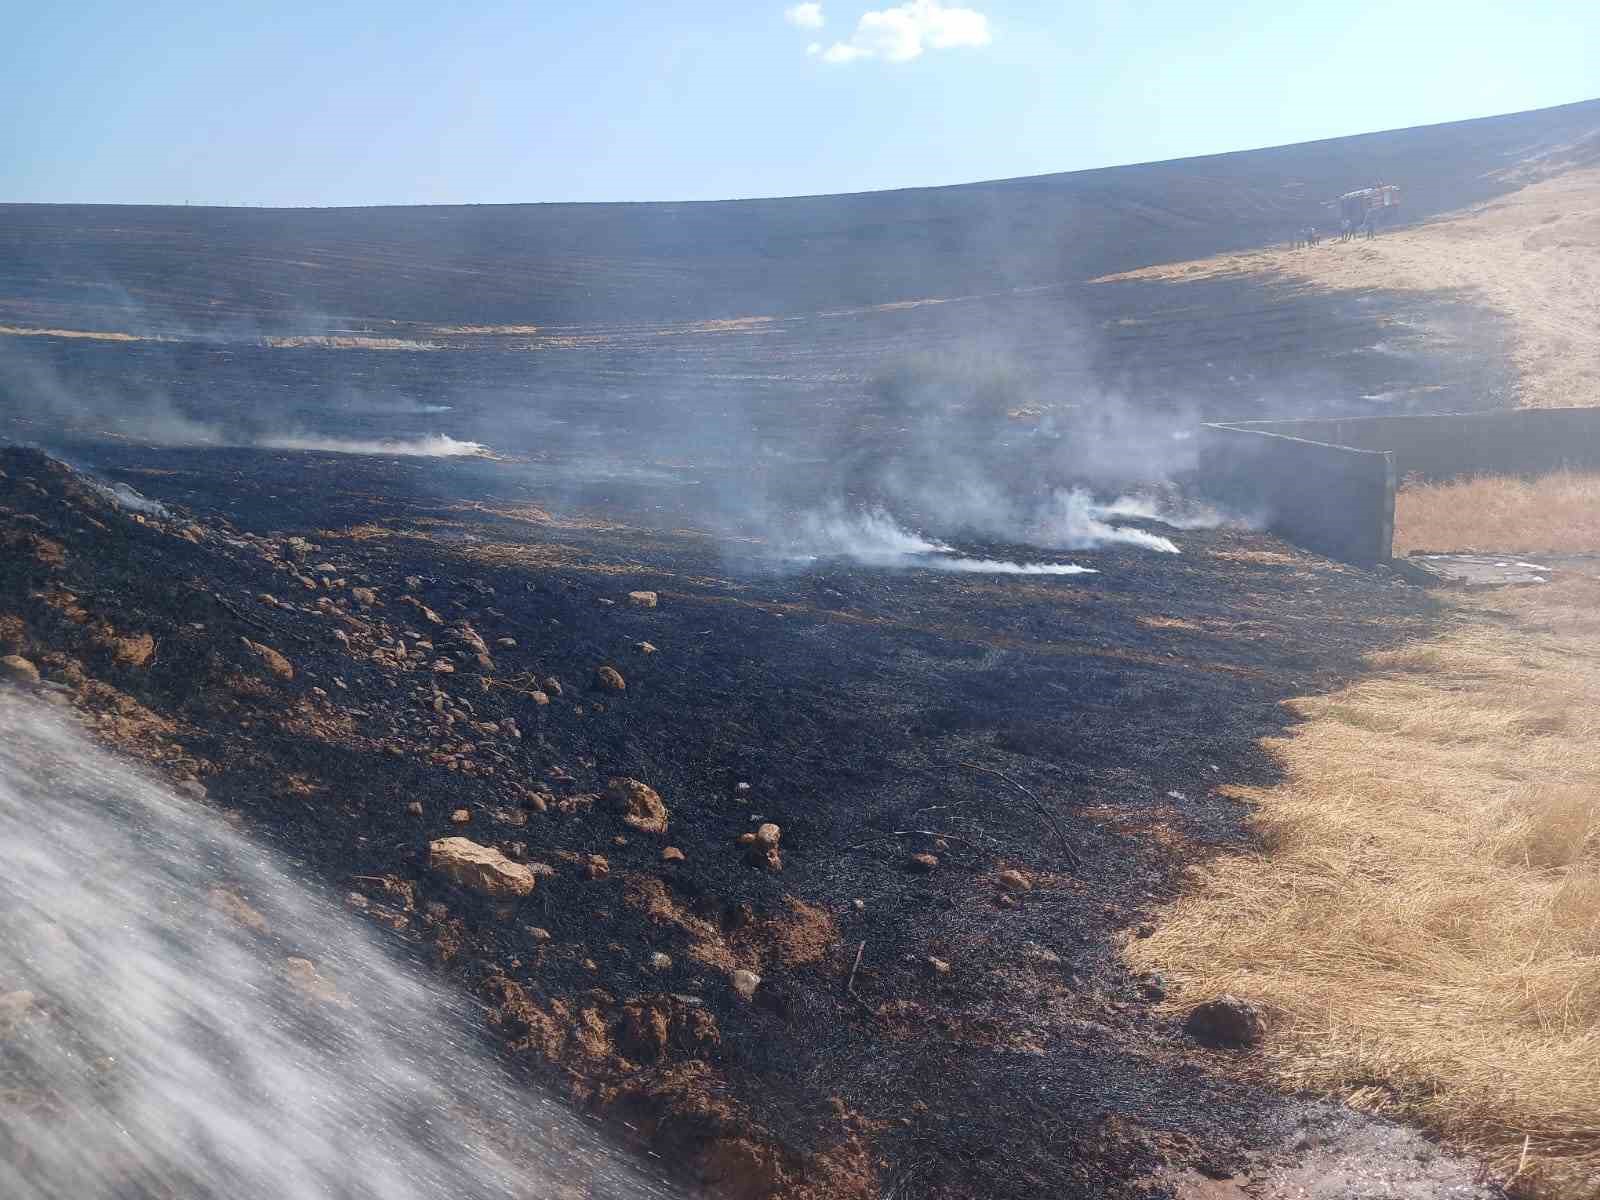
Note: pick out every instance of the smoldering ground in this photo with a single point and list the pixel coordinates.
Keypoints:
(970, 441)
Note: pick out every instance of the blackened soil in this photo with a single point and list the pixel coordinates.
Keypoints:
(1078, 729)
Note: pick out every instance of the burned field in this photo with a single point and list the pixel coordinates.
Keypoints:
(804, 877)
(982, 786)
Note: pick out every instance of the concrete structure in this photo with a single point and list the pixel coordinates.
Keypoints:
(1329, 484)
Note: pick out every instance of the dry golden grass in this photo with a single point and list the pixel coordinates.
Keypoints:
(1530, 255)
(1422, 917)
(1500, 514)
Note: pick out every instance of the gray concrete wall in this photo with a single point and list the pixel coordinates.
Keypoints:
(1335, 500)
(1529, 441)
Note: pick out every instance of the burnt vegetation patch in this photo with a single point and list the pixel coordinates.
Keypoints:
(981, 787)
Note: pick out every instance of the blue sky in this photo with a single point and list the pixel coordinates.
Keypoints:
(329, 103)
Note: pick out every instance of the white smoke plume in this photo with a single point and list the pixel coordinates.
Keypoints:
(1187, 514)
(1072, 520)
(438, 445)
(875, 539)
(125, 498)
(995, 566)
(181, 1016)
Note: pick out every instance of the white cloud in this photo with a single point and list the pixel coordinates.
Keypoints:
(804, 16)
(902, 33)
(843, 52)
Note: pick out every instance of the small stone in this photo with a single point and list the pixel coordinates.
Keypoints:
(641, 807)
(1226, 1022)
(609, 679)
(538, 934)
(461, 816)
(540, 699)
(938, 965)
(414, 808)
(741, 789)
(644, 647)
(768, 834)
(236, 909)
(660, 962)
(480, 868)
(746, 983)
(746, 839)
(1015, 880)
(922, 863)
(552, 685)
(312, 986)
(506, 643)
(16, 1007)
(596, 867)
(672, 854)
(642, 599)
(276, 663)
(768, 858)
(365, 597)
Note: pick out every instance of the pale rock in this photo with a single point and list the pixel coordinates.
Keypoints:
(641, 807)
(479, 868)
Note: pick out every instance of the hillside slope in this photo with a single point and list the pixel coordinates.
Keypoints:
(571, 263)
(1532, 256)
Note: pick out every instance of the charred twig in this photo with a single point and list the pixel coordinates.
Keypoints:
(233, 611)
(1072, 855)
(517, 687)
(850, 984)
(943, 807)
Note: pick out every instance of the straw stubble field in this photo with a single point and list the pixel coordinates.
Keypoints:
(1420, 914)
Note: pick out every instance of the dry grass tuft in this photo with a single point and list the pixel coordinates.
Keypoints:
(1422, 918)
(1557, 513)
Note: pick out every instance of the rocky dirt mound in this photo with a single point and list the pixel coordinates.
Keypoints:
(823, 897)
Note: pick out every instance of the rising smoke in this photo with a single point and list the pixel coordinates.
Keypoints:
(875, 539)
(438, 445)
(181, 1017)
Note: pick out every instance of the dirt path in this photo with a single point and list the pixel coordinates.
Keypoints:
(1533, 255)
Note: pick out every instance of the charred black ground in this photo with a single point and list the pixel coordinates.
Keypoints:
(1072, 728)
